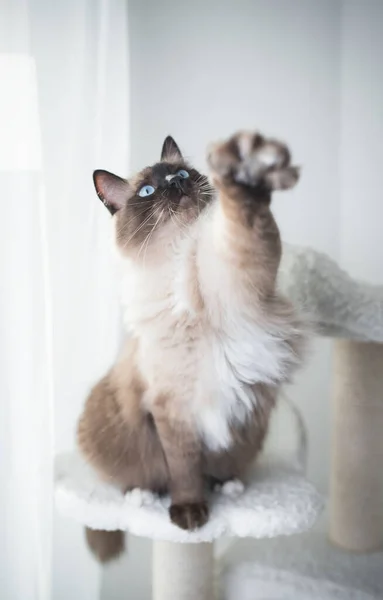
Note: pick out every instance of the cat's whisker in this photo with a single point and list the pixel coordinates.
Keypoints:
(126, 225)
(177, 224)
(151, 233)
(122, 229)
(205, 186)
(184, 228)
(203, 179)
(140, 203)
(138, 228)
(207, 191)
(142, 245)
(172, 214)
(200, 177)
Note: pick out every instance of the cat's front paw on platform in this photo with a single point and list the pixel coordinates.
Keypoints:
(249, 159)
(190, 516)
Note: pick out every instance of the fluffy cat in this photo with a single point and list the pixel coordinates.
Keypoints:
(211, 340)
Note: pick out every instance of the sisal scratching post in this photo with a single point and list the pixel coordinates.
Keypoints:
(356, 491)
(182, 571)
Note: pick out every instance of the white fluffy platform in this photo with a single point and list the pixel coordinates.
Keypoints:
(337, 305)
(253, 582)
(277, 501)
(300, 567)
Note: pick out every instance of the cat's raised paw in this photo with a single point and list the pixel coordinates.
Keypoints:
(190, 515)
(250, 159)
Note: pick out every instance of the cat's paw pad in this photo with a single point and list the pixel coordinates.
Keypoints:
(252, 160)
(190, 516)
(232, 488)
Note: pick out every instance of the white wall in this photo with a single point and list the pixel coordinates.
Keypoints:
(362, 139)
(200, 70)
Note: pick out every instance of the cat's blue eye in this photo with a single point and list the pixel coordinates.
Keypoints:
(146, 190)
(182, 173)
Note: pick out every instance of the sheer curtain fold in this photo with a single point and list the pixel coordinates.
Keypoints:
(65, 112)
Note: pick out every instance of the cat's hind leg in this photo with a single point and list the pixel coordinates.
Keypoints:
(125, 452)
(120, 440)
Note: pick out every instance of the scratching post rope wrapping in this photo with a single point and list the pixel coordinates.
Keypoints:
(183, 571)
(356, 508)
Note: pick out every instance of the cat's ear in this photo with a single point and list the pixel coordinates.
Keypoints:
(111, 189)
(170, 150)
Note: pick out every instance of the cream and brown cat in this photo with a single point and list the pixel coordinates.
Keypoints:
(210, 340)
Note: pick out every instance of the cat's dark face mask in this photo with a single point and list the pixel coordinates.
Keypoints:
(170, 190)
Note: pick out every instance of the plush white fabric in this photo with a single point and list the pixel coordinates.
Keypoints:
(337, 305)
(314, 566)
(277, 501)
(254, 582)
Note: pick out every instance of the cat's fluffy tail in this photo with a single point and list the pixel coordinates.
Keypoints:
(105, 545)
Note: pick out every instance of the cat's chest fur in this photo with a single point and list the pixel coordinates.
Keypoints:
(210, 371)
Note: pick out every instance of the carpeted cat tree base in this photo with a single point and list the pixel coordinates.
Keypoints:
(277, 500)
(301, 567)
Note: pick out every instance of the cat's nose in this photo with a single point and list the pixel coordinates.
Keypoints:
(171, 179)
(174, 181)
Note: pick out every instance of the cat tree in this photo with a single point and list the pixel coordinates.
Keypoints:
(277, 500)
(343, 564)
(352, 313)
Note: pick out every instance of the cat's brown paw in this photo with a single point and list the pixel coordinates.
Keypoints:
(190, 515)
(251, 160)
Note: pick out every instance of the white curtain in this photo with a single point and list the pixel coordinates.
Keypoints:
(63, 112)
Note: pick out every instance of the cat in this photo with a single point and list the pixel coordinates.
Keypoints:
(210, 341)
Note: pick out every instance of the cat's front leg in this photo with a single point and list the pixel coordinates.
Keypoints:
(246, 169)
(182, 451)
